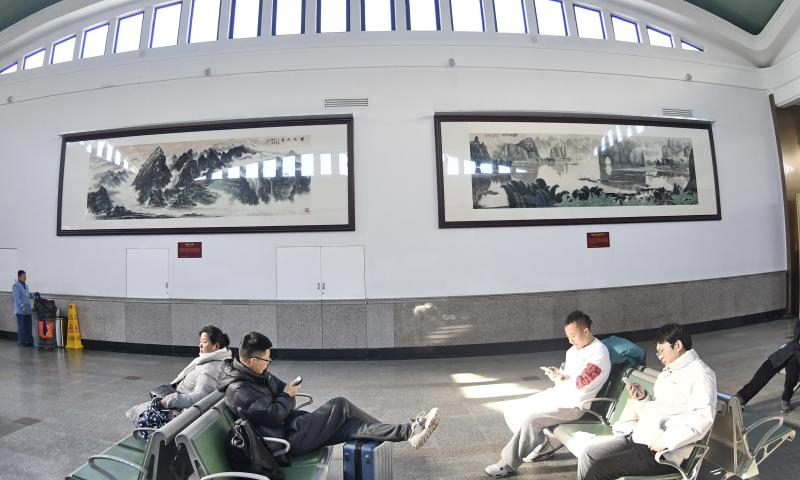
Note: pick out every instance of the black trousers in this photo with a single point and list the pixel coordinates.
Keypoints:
(339, 420)
(765, 373)
(635, 459)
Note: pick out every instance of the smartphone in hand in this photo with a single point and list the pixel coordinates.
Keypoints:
(297, 381)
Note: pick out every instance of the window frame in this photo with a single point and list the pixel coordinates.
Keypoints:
(35, 52)
(658, 30)
(4, 70)
(593, 9)
(191, 20)
(364, 16)
(91, 29)
(694, 48)
(153, 22)
(563, 19)
(233, 17)
(347, 16)
(275, 18)
(116, 31)
(59, 42)
(524, 17)
(438, 9)
(626, 20)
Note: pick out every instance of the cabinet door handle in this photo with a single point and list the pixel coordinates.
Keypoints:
(318, 285)
(323, 285)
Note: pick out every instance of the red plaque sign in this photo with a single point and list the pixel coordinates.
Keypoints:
(597, 240)
(190, 249)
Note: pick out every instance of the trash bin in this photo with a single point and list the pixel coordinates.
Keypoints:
(61, 331)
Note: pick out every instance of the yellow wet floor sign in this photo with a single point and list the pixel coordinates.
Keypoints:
(73, 330)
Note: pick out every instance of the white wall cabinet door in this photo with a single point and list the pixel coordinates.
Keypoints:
(297, 273)
(320, 273)
(342, 270)
(147, 273)
(9, 264)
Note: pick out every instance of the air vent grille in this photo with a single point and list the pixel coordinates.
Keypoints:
(677, 112)
(346, 102)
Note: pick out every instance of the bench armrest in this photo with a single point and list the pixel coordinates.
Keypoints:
(307, 402)
(112, 458)
(584, 407)
(778, 423)
(278, 440)
(684, 474)
(254, 476)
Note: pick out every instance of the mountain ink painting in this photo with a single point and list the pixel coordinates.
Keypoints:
(270, 175)
(504, 170)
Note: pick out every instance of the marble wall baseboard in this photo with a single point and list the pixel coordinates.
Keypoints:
(415, 323)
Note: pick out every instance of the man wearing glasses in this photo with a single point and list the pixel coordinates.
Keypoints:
(269, 404)
(680, 411)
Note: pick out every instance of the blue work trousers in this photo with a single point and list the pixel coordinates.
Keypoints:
(24, 329)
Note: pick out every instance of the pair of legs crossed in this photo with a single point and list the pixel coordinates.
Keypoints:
(617, 457)
(527, 419)
(339, 420)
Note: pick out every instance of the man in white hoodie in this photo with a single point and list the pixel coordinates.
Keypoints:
(680, 411)
(582, 375)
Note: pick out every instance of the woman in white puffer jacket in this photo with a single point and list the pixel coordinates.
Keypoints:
(199, 378)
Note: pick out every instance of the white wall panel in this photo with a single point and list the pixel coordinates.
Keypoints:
(395, 186)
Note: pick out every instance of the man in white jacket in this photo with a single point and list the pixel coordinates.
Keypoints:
(583, 374)
(680, 411)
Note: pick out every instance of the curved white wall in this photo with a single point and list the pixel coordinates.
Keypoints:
(395, 186)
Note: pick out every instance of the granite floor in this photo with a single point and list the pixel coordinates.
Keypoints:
(57, 408)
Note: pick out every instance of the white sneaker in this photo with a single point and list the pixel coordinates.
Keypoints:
(423, 426)
(499, 470)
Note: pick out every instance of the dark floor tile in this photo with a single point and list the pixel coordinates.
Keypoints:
(9, 427)
(27, 421)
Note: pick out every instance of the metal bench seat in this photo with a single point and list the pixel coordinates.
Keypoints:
(205, 439)
(133, 458)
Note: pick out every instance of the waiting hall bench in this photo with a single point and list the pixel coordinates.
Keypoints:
(205, 439)
(133, 458)
(602, 412)
(740, 441)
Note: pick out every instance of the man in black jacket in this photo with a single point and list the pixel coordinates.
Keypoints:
(788, 357)
(269, 404)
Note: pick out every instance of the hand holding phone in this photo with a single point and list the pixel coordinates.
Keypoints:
(635, 390)
(552, 373)
(297, 381)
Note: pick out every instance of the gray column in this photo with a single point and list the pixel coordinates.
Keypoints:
(530, 14)
(183, 27)
(445, 16)
(112, 35)
(490, 25)
(223, 29)
(569, 15)
(147, 28)
(310, 17)
(400, 20)
(267, 11)
(355, 15)
(609, 26)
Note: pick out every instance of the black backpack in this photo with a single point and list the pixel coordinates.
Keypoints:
(246, 452)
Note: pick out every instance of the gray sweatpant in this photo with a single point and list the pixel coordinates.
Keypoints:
(540, 415)
(599, 449)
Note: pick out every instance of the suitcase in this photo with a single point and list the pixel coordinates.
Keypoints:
(367, 460)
